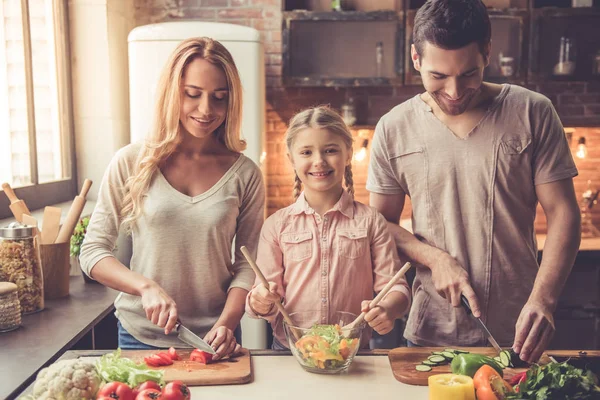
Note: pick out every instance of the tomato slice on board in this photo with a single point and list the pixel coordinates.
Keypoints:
(201, 356)
(157, 360)
(173, 354)
(166, 357)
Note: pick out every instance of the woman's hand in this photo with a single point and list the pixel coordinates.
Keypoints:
(262, 299)
(159, 307)
(378, 317)
(223, 341)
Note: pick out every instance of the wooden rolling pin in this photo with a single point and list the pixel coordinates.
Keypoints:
(18, 207)
(67, 228)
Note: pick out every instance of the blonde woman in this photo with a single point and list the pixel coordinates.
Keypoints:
(326, 252)
(183, 196)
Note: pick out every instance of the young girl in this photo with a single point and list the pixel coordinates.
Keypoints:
(183, 195)
(326, 252)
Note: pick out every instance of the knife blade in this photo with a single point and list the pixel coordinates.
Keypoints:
(189, 337)
(484, 328)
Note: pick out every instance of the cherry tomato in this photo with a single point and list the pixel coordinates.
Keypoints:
(201, 356)
(144, 386)
(116, 391)
(149, 394)
(176, 390)
(173, 354)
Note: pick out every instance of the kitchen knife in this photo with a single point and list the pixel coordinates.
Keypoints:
(189, 337)
(490, 338)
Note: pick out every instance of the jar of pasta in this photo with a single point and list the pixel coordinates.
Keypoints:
(20, 264)
(10, 311)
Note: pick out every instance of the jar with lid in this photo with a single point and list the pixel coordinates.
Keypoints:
(10, 310)
(20, 264)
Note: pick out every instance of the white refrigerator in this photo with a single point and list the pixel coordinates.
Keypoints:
(149, 48)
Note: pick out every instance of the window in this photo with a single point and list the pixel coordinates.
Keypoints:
(36, 140)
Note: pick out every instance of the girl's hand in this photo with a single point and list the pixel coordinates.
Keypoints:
(160, 307)
(262, 299)
(378, 317)
(221, 339)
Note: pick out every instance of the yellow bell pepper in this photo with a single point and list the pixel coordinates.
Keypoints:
(451, 387)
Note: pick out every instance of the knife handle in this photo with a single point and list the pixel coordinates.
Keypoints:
(466, 304)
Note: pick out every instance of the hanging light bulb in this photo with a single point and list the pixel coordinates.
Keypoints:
(581, 148)
(362, 153)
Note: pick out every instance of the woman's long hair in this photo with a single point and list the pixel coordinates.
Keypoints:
(166, 133)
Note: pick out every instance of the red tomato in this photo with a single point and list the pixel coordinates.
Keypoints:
(149, 394)
(176, 390)
(173, 354)
(201, 356)
(144, 386)
(116, 391)
(165, 357)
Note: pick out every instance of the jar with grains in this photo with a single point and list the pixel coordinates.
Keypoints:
(10, 311)
(20, 264)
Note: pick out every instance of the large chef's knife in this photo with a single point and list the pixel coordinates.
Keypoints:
(490, 338)
(189, 337)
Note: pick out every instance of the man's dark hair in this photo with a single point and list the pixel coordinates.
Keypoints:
(452, 24)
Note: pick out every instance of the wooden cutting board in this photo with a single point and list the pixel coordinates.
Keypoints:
(230, 371)
(404, 359)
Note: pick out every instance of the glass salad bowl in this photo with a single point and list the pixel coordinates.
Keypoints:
(323, 348)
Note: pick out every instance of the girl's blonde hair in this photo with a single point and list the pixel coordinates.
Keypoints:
(321, 117)
(166, 133)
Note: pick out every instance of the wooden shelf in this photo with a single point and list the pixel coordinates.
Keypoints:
(308, 81)
(303, 15)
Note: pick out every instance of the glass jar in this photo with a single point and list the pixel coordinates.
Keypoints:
(10, 310)
(567, 57)
(349, 112)
(20, 264)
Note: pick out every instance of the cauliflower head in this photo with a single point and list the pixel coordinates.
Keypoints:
(67, 380)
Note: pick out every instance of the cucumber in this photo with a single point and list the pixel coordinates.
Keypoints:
(430, 363)
(461, 352)
(437, 359)
(437, 353)
(499, 361)
(423, 368)
(448, 355)
(505, 358)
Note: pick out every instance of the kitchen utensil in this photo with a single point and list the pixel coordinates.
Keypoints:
(488, 334)
(403, 361)
(56, 264)
(18, 207)
(65, 232)
(264, 281)
(380, 296)
(227, 371)
(51, 224)
(189, 337)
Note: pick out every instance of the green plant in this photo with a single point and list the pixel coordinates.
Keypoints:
(78, 235)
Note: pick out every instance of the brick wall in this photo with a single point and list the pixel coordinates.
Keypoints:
(578, 103)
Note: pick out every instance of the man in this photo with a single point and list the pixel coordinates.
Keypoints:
(475, 158)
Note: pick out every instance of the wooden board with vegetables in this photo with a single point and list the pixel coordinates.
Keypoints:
(229, 371)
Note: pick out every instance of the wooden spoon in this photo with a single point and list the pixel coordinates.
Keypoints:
(399, 275)
(264, 281)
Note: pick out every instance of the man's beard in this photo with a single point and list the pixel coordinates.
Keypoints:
(454, 109)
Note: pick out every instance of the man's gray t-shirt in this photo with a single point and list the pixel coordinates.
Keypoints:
(474, 198)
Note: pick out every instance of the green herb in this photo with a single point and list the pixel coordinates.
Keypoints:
(557, 381)
(114, 368)
(78, 235)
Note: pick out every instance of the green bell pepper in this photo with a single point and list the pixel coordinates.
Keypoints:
(468, 364)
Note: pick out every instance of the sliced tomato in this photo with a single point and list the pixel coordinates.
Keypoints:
(176, 390)
(173, 354)
(166, 357)
(155, 360)
(201, 356)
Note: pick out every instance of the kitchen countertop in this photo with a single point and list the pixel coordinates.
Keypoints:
(277, 375)
(46, 335)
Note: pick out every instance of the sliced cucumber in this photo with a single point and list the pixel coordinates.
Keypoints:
(437, 353)
(505, 358)
(499, 361)
(449, 355)
(423, 368)
(437, 359)
(461, 352)
(430, 363)
(451, 351)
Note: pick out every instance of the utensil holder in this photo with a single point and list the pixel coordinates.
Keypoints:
(55, 266)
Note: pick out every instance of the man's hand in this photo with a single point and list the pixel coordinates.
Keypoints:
(451, 280)
(534, 330)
